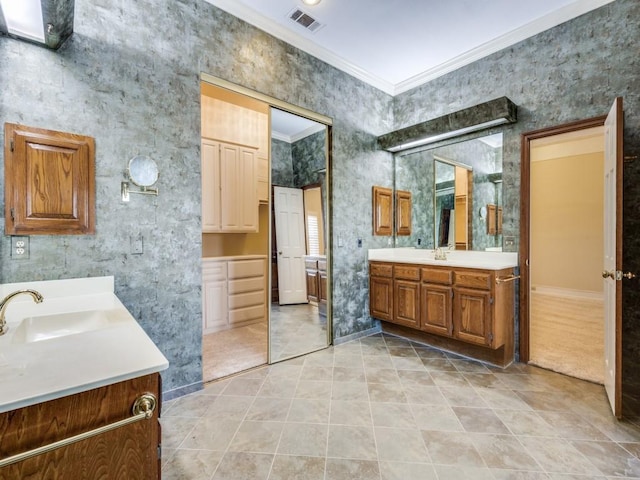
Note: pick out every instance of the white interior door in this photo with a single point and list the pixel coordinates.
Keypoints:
(613, 157)
(288, 205)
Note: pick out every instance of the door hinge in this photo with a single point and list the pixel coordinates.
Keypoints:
(12, 144)
(490, 337)
(490, 300)
(13, 214)
(159, 452)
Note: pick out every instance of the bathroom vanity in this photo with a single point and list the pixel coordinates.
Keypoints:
(80, 394)
(464, 303)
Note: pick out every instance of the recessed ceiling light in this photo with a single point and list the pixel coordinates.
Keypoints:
(311, 2)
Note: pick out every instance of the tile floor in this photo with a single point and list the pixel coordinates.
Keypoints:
(296, 329)
(385, 408)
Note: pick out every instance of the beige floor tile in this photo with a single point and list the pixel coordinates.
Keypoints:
(407, 471)
(244, 466)
(449, 379)
(610, 458)
(498, 398)
(446, 472)
(571, 426)
(501, 474)
(529, 423)
(352, 442)
(268, 409)
(349, 469)
(556, 455)
(316, 372)
(381, 375)
(175, 430)
(191, 465)
(304, 439)
(350, 391)
(281, 387)
(392, 415)
(257, 437)
(289, 467)
(451, 448)
(400, 444)
(503, 452)
(469, 366)
(386, 393)
(415, 377)
(438, 365)
(211, 434)
(189, 406)
(348, 374)
(480, 420)
(436, 417)
(344, 412)
(483, 380)
(349, 361)
(313, 389)
(230, 407)
(309, 410)
(462, 397)
(424, 395)
(243, 386)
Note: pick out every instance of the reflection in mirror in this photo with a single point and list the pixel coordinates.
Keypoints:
(298, 321)
(439, 179)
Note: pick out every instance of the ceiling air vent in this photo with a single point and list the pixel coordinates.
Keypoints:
(304, 19)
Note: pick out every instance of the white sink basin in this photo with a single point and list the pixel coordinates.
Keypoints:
(47, 327)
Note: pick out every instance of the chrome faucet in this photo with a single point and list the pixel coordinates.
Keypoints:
(37, 297)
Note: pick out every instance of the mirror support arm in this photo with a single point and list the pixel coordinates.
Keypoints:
(124, 191)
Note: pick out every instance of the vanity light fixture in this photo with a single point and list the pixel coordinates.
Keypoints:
(311, 3)
(45, 22)
(479, 117)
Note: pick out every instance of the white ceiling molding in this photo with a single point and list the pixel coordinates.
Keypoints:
(533, 28)
(298, 135)
(539, 25)
(249, 15)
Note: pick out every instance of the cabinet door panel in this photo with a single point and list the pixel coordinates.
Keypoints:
(211, 221)
(472, 317)
(381, 298)
(128, 452)
(435, 309)
(312, 285)
(407, 303)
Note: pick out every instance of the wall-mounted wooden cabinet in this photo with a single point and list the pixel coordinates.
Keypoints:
(229, 188)
(466, 306)
(49, 182)
(403, 213)
(382, 211)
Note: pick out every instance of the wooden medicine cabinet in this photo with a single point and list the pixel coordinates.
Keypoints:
(382, 211)
(49, 182)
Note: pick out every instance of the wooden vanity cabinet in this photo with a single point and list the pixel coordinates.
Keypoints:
(436, 294)
(406, 295)
(316, 277)
(128, 452)
(463, 310)
(381, 291)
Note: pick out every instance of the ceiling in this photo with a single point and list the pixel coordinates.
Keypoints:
(396, 45)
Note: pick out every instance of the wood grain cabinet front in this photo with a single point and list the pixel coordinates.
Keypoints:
(127, 452)
(465, 305)
(49, 182)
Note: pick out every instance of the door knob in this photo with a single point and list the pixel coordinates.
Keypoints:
(629, 275)
(280, 252)
(606, 274)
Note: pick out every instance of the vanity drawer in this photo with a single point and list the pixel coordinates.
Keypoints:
(311, 264)
(322, 265)
(473, 279)
(406, 272)
(437, 275)
(381, 270)
(246, 268)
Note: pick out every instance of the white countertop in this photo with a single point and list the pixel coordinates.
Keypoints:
(455, 258)
(114, 349)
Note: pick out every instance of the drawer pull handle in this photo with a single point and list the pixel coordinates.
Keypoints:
(510, 278)
(143, 409)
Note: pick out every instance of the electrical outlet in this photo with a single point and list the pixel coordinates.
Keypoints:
(19, 247)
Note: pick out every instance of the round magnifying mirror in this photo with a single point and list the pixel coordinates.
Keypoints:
(143, 171)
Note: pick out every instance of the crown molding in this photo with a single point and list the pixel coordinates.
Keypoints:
(298, 136)
(238, 9)
(539, 25)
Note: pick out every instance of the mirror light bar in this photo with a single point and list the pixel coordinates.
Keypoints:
(479, 117)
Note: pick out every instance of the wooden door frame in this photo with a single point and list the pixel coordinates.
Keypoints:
(525, 217)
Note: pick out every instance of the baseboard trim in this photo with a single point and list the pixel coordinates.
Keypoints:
(357, 335)
(181, 391)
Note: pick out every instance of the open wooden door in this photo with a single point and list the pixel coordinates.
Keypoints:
(612, 271)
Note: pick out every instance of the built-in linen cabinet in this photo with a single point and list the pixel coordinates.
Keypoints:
(234, 292)
(465, 310)
(229, 188)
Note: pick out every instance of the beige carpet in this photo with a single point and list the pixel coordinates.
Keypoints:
(231, 351)
(567, 335)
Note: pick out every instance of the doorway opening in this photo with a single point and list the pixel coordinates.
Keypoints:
(566, 303)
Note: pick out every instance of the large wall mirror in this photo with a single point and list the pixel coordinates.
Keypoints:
(299, 280)
(457, 194)
(265, 229)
